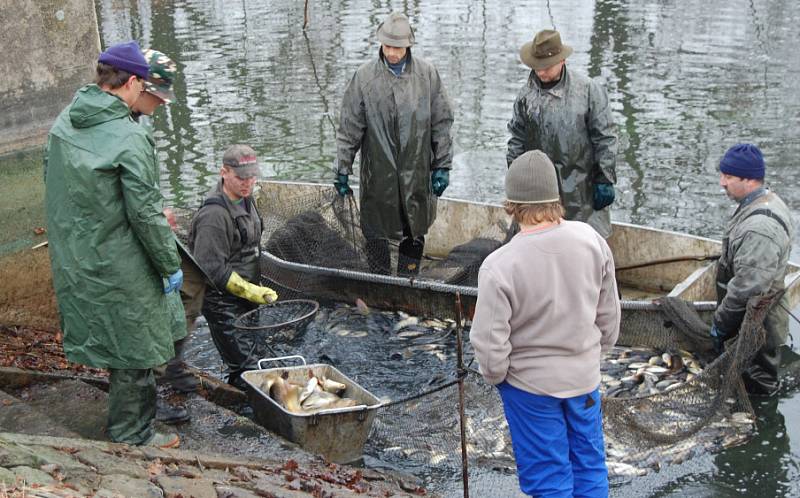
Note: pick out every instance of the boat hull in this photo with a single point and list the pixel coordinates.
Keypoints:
(686, 269)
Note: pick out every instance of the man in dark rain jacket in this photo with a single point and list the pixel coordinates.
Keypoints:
(225, 239)
(566, 115)
(395, 110)
(755, 253)
(112, 253)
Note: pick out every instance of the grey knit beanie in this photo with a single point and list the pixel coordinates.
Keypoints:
(531, 179)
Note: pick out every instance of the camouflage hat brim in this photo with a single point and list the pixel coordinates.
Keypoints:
(164, 93)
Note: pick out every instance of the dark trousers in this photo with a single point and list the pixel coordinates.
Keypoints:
(131, 405)
(238, 348)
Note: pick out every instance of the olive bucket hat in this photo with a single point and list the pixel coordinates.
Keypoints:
(545, 50)
(162, 74)
(395, 31)
(532, 179)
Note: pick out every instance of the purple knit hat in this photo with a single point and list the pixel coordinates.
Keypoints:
(744, 161)
(126, 57)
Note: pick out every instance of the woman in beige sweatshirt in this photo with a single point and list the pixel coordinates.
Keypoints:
(547, 306)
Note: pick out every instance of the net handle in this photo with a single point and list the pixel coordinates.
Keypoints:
(281, 358)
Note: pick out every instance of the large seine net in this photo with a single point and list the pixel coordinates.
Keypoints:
(312, 241)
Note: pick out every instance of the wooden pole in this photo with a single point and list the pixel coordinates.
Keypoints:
(461, 414)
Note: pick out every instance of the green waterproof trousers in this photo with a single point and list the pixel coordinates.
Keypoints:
(131, 405)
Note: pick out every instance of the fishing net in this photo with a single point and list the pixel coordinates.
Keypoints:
(709, 412)
(283, 321)
(314, 246)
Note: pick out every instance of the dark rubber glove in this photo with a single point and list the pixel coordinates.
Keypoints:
(440, 179)
(718, 338)
(173, 282)
(341, 185)
(603, 195)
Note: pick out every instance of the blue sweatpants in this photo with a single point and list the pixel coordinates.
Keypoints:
(558, 443)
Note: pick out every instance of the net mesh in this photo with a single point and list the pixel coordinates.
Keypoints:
(283, 321)
(314, 244)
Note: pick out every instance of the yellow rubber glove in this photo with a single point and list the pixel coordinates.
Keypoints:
(254, 293)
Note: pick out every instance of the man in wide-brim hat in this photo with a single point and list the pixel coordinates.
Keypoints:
(396, 112)
(566, 115)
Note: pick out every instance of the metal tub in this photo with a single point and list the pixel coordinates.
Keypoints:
(337, 434)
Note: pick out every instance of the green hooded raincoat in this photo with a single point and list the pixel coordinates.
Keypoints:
(402, 126)
(110, 244)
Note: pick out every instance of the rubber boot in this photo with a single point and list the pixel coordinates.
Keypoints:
(176, 375)
(410, 256)
(171, 413)
(761, 377)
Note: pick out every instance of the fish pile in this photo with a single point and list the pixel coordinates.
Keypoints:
(315, 395)
(632, 371)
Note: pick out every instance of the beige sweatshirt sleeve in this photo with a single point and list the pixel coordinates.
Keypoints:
(609, 314)
(491, 329)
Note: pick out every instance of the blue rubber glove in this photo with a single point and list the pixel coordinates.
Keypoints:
(718, 338)
(341, 185)
(603, 195)
(173, 282)
(440, 179)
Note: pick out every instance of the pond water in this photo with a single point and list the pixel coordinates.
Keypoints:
(686, 81)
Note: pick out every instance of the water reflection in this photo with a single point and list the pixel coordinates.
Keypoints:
(759, 467)
(685, 82)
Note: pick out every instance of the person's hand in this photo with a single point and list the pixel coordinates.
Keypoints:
(341, 185)
(440, 179)
(718, 339)
(603, 195)
(173, 282)
(170, 214)
(246, 290)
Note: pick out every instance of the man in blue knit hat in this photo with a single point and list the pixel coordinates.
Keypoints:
(116, 269)
(755, 252)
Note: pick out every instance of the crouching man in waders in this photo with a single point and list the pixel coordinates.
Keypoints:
(755, 253)
(547, 306)
(116, 268)
(225, 240)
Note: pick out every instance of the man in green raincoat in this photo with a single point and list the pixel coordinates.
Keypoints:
(396, 112)
(566, 115)
(112, 253)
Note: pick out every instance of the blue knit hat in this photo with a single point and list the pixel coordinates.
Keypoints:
(126, 57)
(744, 161)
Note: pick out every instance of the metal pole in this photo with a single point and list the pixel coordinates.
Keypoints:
(461, 415)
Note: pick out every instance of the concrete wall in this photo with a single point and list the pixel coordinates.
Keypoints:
(49, 50)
